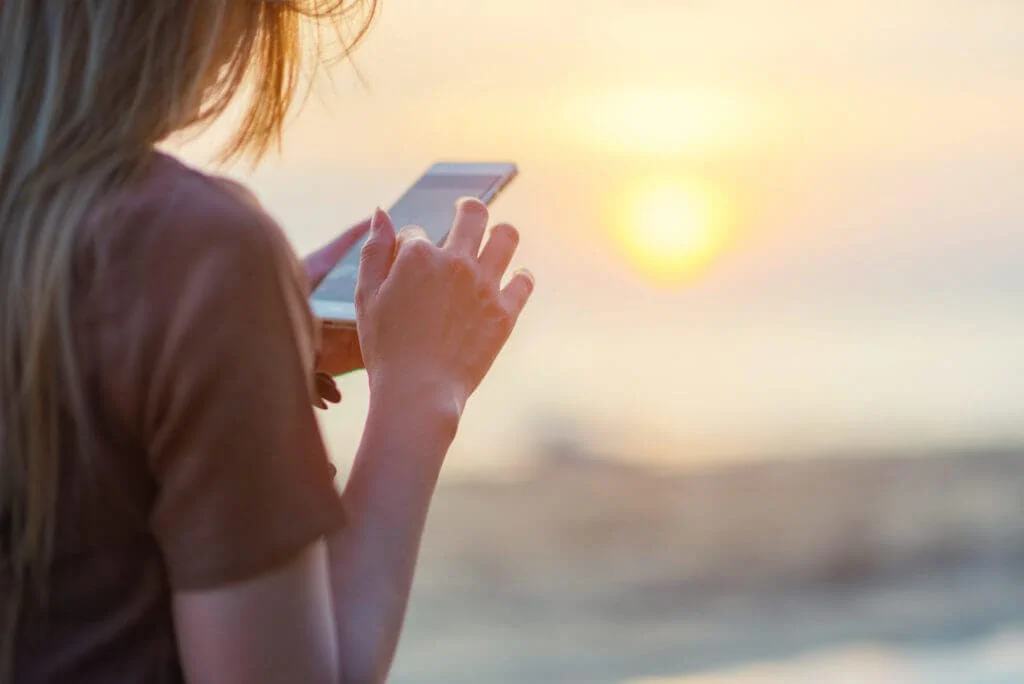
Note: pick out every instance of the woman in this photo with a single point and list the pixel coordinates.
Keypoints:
(168, 510)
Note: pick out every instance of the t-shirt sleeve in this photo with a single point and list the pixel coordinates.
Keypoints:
(243, 479)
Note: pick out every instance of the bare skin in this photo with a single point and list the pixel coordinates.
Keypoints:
(334, 612)
(339, 348)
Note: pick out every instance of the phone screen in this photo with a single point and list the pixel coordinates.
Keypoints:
(429, 204)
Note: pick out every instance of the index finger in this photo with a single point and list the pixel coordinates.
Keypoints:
(468, 229)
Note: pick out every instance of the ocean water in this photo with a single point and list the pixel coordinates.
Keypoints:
(996, 658)
(823, 570)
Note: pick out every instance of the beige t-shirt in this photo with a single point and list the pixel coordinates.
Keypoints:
(197, 346)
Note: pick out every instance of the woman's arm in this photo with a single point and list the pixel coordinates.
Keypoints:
(372, 559)
(423, 363)
(334, 611)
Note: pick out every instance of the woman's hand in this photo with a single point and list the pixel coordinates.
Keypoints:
(339, 348)
(433, 319)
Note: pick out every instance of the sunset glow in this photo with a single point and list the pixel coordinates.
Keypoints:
(672, 229)
(658, 122)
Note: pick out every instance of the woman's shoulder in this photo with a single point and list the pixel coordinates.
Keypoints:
(176, 230)
(173, 205)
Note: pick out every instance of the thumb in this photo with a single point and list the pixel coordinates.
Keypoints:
(377, 255)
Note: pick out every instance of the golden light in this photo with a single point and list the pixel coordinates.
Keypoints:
(657, 122)
(672, 229)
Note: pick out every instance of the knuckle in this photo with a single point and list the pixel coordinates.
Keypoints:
(362, 297)
(420, 248)
(446, 261)
(416, 250)
(371, 248)
(485, 291)
(461, 267)
(505, 321)
(411, 232)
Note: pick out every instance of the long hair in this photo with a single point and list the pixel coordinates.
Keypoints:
(87, 88)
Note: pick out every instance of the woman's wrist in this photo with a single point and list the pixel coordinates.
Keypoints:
(427, 408)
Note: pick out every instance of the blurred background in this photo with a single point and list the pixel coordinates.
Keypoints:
(763, 420)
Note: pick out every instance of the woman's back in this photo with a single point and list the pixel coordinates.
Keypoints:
(181, 283)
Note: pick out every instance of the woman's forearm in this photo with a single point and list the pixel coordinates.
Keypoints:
(373, 556)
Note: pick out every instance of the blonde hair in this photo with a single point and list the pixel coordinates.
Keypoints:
(88, 88)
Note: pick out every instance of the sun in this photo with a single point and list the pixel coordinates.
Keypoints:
(671, 229)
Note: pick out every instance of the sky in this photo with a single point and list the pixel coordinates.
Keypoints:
(864, 167)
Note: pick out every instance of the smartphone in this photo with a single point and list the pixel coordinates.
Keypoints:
(430, 203)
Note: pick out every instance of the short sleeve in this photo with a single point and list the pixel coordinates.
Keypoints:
(243, 481)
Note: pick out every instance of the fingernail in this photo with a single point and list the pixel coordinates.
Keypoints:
(378, 219)
(529, 277)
